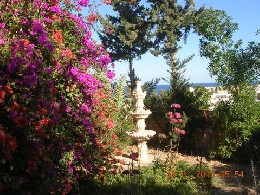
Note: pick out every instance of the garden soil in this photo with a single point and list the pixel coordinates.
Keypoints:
(229, 178)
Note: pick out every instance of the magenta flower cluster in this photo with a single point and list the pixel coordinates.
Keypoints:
(49, 70)
(176, 119)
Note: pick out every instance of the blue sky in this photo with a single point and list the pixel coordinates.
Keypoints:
(244, 12)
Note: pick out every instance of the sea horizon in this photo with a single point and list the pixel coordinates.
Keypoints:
(165, 87)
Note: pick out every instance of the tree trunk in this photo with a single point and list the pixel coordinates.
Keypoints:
(131, 75)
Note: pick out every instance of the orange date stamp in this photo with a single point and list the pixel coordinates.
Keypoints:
(209, 173)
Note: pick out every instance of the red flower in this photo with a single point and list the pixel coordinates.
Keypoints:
(118, 152)
(2, 96)
(67, 187)
(44, 122)
(54, 91)
(110, 124)
(115, 137)
(16, 106)
(26, 42)
(58, 36)
(8, 90)
(43, 111)
(92, 17)
(11, 145)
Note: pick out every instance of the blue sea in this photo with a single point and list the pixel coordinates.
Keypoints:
(166, 87)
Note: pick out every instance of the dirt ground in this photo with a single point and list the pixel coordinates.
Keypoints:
(228, 178)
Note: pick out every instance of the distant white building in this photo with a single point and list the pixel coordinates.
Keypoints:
(257, 90)
(220, 94)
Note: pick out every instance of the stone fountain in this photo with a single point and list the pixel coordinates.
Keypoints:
(140, 114)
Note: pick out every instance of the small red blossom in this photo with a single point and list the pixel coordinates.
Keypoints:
(26, 42)
(16, 106)
(67, 188)
(11, 145)
(67, 53)
(115, 137)
(8, 90)
(2, 96)
(118, 152)
(92, 17)
(58, 36)
(58, 65)
(54, 91)
(110, 124)
(43, 111)
(44, 122)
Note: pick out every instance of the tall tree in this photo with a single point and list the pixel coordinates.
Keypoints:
(234, 66)
(171, 22)
(125, 35)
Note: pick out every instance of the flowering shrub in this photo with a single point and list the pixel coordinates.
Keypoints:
(178, 123)
(55, 125)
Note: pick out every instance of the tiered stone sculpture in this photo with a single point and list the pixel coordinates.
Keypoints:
(140, 114)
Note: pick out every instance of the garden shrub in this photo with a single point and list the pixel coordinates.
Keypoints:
(122, 117)
(235, 122)
(56, 130)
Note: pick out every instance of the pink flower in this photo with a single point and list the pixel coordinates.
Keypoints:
(134, 155)
(107, 2)
(180, 121)
(170, 115)
(176, 106)
(2, 25)
(84, 2)
(109, 31)
(74, 71)
(174, 120)
(110, 74)
(179, 131)
(178, 115)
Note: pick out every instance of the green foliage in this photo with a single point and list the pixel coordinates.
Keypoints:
(125, 35)
(122, 118)
(233, 65)
(235, 122)
(201, 97)
(155, 179)
(250, 150)
(215, 26)
(170, 23)
(150, 86)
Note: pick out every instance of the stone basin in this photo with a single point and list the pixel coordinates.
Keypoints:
(141, 135)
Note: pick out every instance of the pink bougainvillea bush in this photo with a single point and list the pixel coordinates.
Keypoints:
(55, 126)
